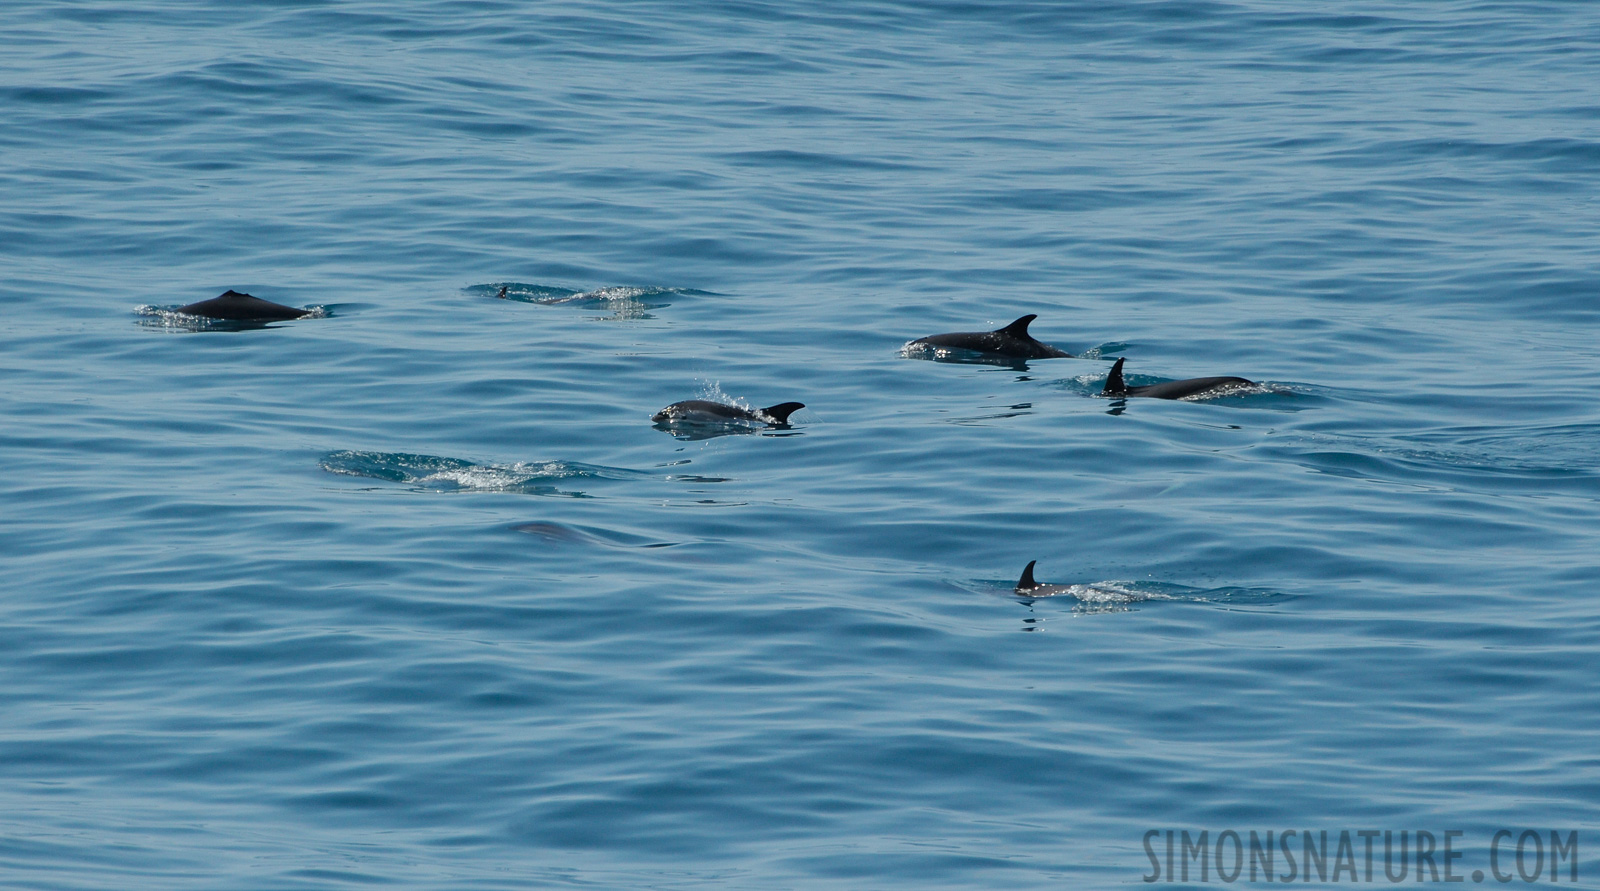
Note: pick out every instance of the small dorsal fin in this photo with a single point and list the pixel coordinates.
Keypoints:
(1019, 328)
(780, 413)
(502, 294)
(1114, 384)
(1026, 583)
(231, 293)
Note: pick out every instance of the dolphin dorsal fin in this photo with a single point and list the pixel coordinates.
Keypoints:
(1114, 384)
(1019, 328)
(1026, 583)
(780, 413)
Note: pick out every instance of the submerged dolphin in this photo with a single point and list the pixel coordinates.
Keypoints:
(1196, 386)
(699, 411)
(1012, 341)
(236, 307)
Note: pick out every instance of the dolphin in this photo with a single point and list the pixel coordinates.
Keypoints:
(236, 307)
(1098, 597)
(1013, 341)
(699, 411)
(1196, 386)
(1026, 585)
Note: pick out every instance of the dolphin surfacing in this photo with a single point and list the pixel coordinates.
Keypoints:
(1096, 597)
(1013, 342)
(1195, 386)
(1027, 586)
(233, 306)
(701, 411)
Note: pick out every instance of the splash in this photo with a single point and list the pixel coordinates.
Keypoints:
(1120, 596)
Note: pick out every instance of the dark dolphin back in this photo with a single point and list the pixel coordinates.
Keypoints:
(234, 306)
(1192, 387)
(780, 413)
(1116, 387)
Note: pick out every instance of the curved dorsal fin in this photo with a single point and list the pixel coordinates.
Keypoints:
(1026, 583)
(1114, 384)
(1019, 328)
(780, 413)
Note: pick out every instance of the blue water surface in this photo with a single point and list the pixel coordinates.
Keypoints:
(413, 594)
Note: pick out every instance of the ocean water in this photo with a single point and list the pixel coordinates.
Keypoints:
(413, 594)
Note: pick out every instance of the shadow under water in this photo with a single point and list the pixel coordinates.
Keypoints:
(437, 474)
(561, 533)
(623, 302)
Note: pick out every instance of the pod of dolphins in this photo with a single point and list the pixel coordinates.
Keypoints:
(1012, 342)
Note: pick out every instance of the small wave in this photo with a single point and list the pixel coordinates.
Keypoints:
(434, 473)
(1011, 411)
(1559, 448)
(1103, 350)
(1563, 451)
